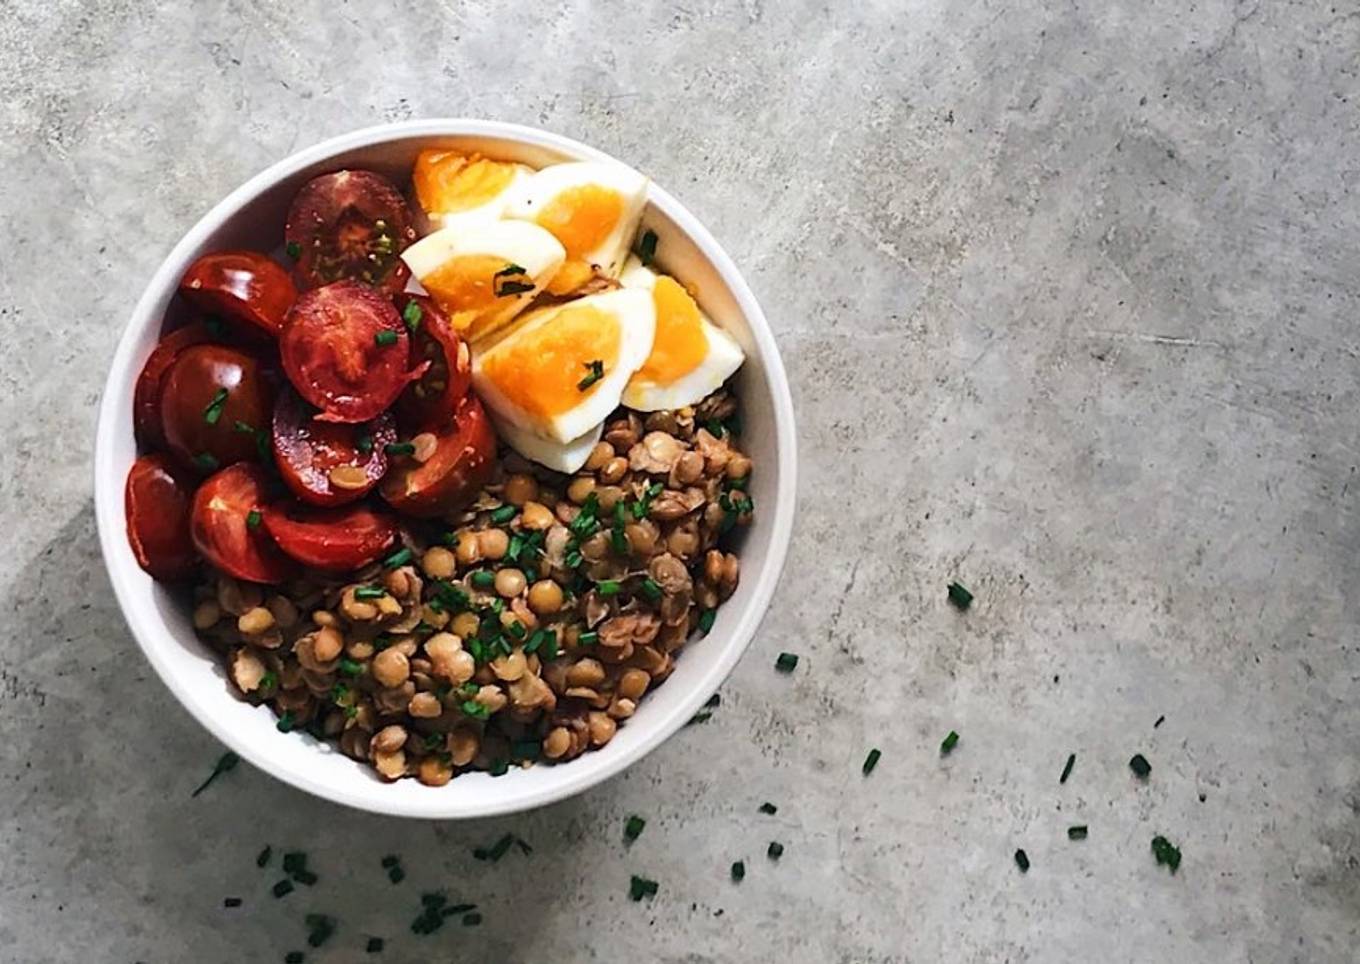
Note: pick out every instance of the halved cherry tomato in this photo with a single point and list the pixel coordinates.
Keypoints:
(241, 286)
(146, 397)
(306, 451)
(345, 350)
(350, 225)
(228, 535)
(214, 405)
(462, 461)
(334, 539)
(156, 501)
(430, 398)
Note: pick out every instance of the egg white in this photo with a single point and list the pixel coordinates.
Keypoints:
(536, 193)
(636, 316)
(723, 357)
(565, 457)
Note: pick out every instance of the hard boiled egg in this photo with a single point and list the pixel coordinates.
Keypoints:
(484, 275)
(690, 358)
(561, 370)
(565, 457)
(453, 187)
(591, 207)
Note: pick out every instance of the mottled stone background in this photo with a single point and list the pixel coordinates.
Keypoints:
(1068, 294)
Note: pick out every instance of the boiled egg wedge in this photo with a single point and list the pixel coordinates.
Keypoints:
(560, 370)
(458, 188)
(567, 457)
(591, 207)
(690, 358)
(484, 275)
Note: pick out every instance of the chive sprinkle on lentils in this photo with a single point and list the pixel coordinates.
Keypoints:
(870, 761)
(1140, 766)
(960, 597)
(950, 741)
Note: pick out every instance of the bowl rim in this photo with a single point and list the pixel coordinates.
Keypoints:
(108, 490)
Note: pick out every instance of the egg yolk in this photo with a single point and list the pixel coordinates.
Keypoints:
(465, 287)
(680, 344)
(582, 218)
(569, 277)
(447, 182)
(542, 373)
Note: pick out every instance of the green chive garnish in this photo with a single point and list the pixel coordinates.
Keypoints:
(1140, 766)
(369, 592)
(471, 920)
(870, 761)
(253, 519)
(769, 808)
(949, 743)
(651, 589)
(206, 461)
(400, 448)
(478, 711)
(385, 338)
(786, 663)
(1067, 767)
(364, 444)
(322, 927)
(262, 858)
(1167, 853)
(411, 314)
(231, 902)
(391, 860)
(481, 579)
(706, 619)
(1076, 833)
(507, 288)
(293, 957)
(499, 768)
(399, 558)
(738, 871)
(646, 249)
(395, 874)
(633, 828)
(608, 587)
(503, 515)
(374, 945)
(225, 763)
(213, 411)
(775, 850)
(594, 372)
(960, 597)
(1022, 861)
(589, 638)
(640, 887)
(509, 270)
(285, 723)
(283, 888)
(294, 250)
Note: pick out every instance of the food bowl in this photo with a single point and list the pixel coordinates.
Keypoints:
(160, 618)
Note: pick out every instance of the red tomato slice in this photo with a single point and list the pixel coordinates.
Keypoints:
(461, 463)
(306, 451)
(222, 529)
(350, 225)
(345, 350)
(338, 540)
(214, 405)
(430, 398)
(156, 501)
(241, 286)
(146, 397)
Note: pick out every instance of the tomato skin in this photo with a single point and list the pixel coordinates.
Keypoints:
(331, 351)
(219, 524)
(431, 398)
(189, 388)
(146, 396)
(336, 540)
(306, 450)
(350, 225)
(156, 501)
(462, 461)
(241, 286)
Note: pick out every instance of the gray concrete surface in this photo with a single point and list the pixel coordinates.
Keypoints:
(1068, 293)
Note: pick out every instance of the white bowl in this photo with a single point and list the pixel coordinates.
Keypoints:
(252, 216)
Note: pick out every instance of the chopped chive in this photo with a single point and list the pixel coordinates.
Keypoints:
(399, 558)
(1022, 861)
(594, 372)
(1076, 833)
(206, 461)
(949, 743)
(285, 723)
(738, 871)
(499, 768)
(400, 448)
(646, 249)
(253, 519)
(786, 663)
(769, 808)
(478, 711)
(1160, 721)
(471, 920)
(482, 579)
(293, 957)
(633, 828)
(640, 887)
(503, 515)
(525, 750)
(385, 338)
(960, 597)
(369, 592)
(589, 638)
(715, 428)
(870, 761)
(283, 888)
(245, 428)
(509, 270)
(1140, 766)
(775, 850)
(374, 945)
(608, 587)
(516, 547)
(213, 410)
(322, 928)
(574, 560)
(1067, 767)
(231, 902)
(262, 858)
(507, 288)
(225, 763)
(496, 851)
(349, 667)
(294, 250)
(411, 315)
(294, 861)
(517, 630)
(706, 619)
(396, 874)
(1167, 853)
(651, 589)
(364, 444)
(391, 860)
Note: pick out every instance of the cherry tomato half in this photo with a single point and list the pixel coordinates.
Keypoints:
(227, 523)
(345, 349)
(338, 540)
(434, 395)
(156, 501)
(306, 451)
(350, 225)
(214, 405)
(146, 397)
(241, 286)
(462, 461)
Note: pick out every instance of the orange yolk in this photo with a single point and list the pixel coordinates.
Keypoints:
(466, 289)
(582, 218)
(569, 277)
(680, 344)
(447, 182)
(541, 373)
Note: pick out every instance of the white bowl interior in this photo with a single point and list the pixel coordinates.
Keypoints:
(253, 216)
